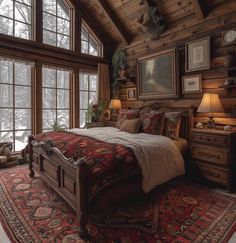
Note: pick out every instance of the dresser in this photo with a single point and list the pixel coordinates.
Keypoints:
(213, 157)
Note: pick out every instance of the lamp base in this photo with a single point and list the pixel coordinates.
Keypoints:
(211, 123)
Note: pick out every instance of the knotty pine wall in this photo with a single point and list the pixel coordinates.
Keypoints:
(221, 18)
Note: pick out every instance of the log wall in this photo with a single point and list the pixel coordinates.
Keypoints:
(223, 58)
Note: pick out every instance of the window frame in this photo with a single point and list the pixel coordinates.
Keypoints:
(71, 21)
(15, 61)
(91, 35)
(32, 22)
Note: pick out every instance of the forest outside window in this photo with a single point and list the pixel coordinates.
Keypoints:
(57, 18)
(16, 18)
(89, 42)
(15, 102)
(56, 97)
(88, 94)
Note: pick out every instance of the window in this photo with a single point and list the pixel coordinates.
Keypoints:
(57, 15)
(16, 18)
(15, 102)
(56, 97)
(88, 94)
(89, 43)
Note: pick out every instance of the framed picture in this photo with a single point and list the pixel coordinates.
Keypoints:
(131, 94)
(192, 84)
(197, 55)
(157, 76)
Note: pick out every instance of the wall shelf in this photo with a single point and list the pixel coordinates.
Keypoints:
(126, 80)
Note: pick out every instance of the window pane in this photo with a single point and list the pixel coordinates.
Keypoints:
(6, 26)
(6, 71)
(22, 74)
(6, 119)
(6, 8)
(83, 100)
(84, 33)
(84, 46)
(22, 119)
(22, 30)
(23, 13)
(27, 2)
(23, 97)
(49, 38)
(6, 95)
(49, 77)
(83, 117)
(6, 136)
(93, 83)
(92, 97)
(63, 78)
(49, 98)
(63, 26)
(63, 10)
(63, 41)
(21, 138)
(93, 46)
(63, 117)
(49, 22)
(49, 6)
(83, 82)
(49, 116)
(63, 98)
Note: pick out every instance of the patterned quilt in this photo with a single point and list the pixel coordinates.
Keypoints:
(108, 163)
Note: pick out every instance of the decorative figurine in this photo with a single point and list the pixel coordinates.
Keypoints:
(199, 125)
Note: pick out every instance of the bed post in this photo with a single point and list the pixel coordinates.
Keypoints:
(30, 147)
(82, 198)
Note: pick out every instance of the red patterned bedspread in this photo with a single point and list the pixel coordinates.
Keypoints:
(108, 163)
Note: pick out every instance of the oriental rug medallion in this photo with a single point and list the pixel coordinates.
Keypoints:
(179, 211)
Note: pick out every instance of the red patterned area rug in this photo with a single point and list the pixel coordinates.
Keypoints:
(179, 211)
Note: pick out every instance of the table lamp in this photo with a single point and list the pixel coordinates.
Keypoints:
(210, 104)
(115, 106)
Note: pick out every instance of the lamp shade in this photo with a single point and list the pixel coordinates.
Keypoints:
(115, 104)
(210, 103)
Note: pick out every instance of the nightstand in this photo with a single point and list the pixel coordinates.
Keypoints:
(214, 157)
(110, 123)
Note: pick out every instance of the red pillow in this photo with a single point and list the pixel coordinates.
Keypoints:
(152, 123)
(126, 115)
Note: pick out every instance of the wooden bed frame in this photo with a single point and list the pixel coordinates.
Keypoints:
(69, 178)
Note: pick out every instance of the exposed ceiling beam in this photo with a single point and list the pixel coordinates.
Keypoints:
(200, 8)
(126, 36)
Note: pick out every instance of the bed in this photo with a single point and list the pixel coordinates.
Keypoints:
(90, 168)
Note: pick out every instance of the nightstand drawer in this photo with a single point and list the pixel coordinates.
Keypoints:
(212, 139)
(218, 156)
(213, 174)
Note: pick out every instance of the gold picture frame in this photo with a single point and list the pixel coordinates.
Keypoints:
(157, 76)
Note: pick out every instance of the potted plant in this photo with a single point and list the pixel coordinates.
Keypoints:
(119, 63)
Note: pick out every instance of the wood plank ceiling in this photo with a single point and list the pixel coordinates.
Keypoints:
(119, 17)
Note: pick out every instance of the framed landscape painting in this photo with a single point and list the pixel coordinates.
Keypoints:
(157, 76)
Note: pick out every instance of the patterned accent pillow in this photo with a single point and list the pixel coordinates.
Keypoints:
(124, 115)
(152, 123)
(131, 125)
(172, 124)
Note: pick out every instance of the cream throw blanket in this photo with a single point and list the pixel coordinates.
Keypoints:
(158, 157)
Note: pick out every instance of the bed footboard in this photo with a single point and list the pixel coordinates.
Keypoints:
(66, 176)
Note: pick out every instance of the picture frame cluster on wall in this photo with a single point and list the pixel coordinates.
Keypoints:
(158, 77)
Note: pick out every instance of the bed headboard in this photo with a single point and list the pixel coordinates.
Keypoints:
(187, 117)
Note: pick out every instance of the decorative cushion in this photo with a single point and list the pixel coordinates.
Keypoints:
(124, 115)
(131, 125)
(3, 159)
(172, 124)
(152, 123)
